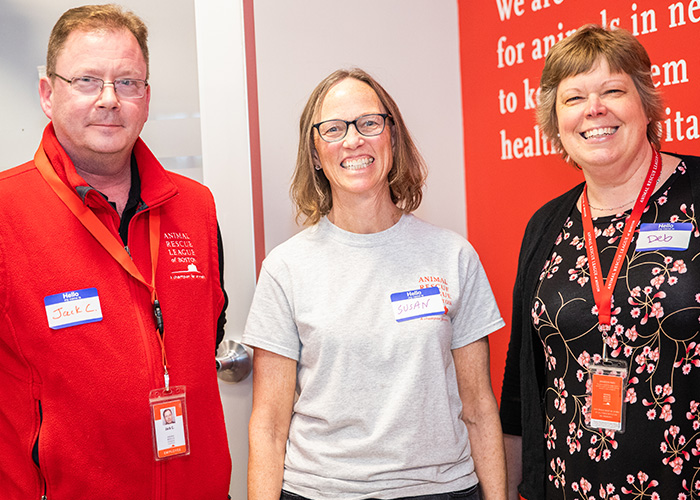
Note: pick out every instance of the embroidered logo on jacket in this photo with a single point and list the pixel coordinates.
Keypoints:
(182, 255)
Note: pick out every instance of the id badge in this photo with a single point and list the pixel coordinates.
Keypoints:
(169, 423)
(607, 388)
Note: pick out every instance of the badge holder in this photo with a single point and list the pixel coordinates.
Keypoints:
(169, 423)
(605, 392)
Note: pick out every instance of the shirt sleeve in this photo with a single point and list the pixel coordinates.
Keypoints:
(476, 314)
(270, 323)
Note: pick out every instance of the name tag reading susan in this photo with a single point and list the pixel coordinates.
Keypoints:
(664, 236)
(417, 304)
(73, 308)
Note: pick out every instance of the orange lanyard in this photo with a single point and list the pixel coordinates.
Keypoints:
(602, 293)
(109, 242)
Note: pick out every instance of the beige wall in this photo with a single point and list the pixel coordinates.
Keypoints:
(410, 46)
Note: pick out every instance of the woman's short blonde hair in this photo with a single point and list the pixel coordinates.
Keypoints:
(578, 54)
(310, 189)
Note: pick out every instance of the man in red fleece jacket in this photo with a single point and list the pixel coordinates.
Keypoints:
(111, 297)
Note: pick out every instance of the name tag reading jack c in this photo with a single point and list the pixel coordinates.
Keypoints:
(73, 308)
(417, 304)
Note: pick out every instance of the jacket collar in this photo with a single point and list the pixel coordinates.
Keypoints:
(156, 184)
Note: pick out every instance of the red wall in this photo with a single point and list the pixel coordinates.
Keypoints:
(509, 171)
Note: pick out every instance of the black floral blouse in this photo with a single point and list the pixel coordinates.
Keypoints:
(654, 328)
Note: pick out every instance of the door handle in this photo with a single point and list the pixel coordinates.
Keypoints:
(233, 361)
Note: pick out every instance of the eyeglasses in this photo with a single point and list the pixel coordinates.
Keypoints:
(126, 88)
(366, 125)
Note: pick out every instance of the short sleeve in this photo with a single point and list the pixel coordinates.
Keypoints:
(270, 323)
(476, 314)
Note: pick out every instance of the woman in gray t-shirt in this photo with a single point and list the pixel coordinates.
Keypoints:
(371, 367)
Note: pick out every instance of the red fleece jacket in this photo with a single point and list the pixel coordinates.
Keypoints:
(82, 391)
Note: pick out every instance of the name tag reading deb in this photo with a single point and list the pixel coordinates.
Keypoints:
(73, 308)
(664, 236)
(417, 304)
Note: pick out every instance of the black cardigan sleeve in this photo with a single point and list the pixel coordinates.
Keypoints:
(510, 390)
(521, 399)
(524, 365)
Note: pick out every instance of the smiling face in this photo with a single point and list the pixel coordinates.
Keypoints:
(601, 118)
(168, 416)
(356, 165)
(102, 129)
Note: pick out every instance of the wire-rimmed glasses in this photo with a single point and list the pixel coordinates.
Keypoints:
(127, 88)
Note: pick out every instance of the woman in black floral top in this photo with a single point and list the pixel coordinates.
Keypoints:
(601, 396)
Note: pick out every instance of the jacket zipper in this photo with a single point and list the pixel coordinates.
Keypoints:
(152, 357)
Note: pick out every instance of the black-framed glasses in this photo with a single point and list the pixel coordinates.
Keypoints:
(127, 88)
(367, 125)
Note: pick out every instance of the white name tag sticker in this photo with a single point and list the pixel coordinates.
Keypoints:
(664, 236)
(417, 304)
(73, 308)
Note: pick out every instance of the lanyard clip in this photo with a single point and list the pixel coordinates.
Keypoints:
(159, 316)
(605, 351)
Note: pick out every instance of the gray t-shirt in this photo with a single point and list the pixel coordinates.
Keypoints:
(378, 409)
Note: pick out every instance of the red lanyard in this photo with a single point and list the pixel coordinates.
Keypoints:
(602, 293)
(110, 243)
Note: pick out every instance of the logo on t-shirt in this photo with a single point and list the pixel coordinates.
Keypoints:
(441, 283)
